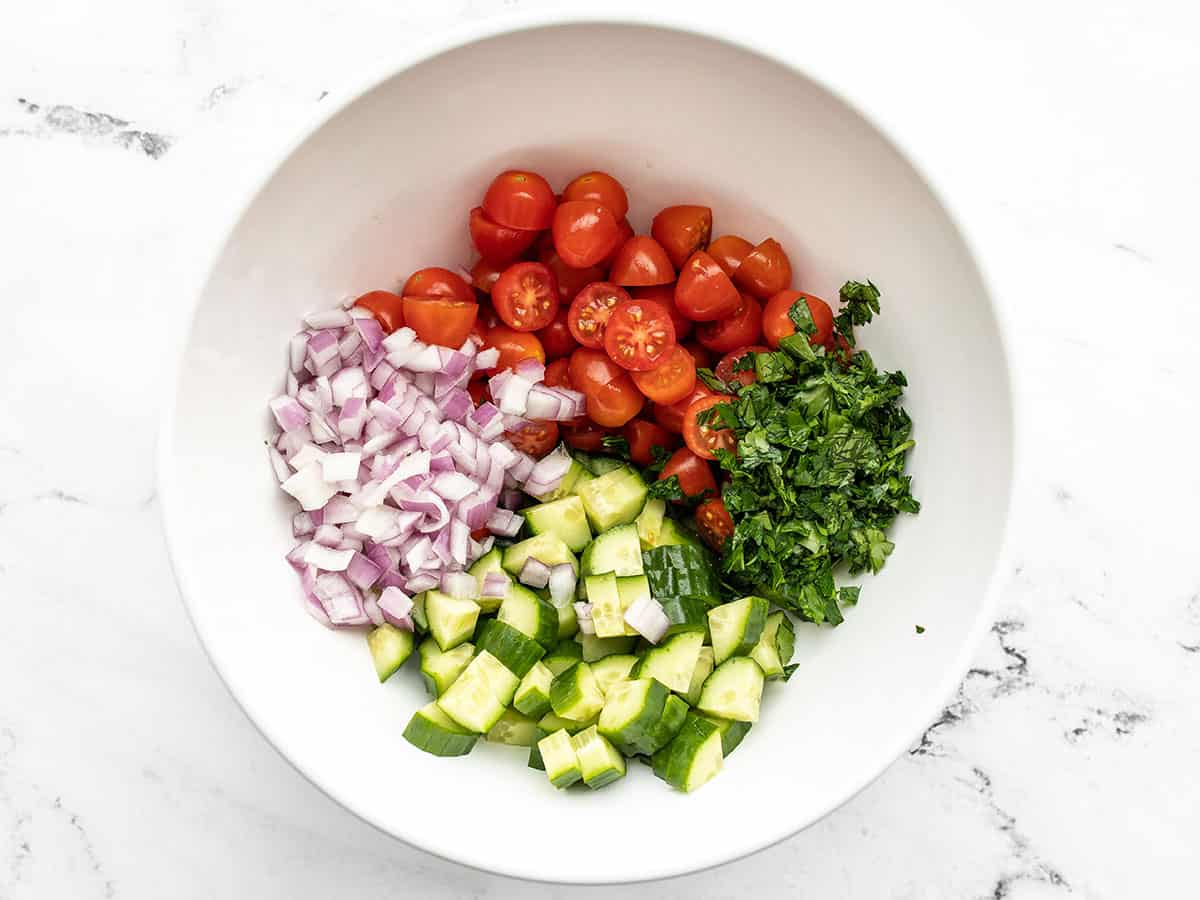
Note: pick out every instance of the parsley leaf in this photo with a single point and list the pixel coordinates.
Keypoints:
(616, 444)
(666, 489)
(711, 380)
(860, 302)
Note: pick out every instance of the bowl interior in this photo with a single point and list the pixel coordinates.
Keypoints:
(384, 187)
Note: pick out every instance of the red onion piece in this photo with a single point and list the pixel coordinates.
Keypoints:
(460, 585)
(370, 331)
(341, 600)
(400, 339)
(645, 616)
(302, 524)
(363, 571)
(421, 582)
(278, 464)
(328, 318)
(487, 359)
(562, 584)
(308, 487)
(504, 523)
(495, 586)
(534, 573)
(327, 535)
(289, 413)
(340, 466)
(583, 617)
(396, 607)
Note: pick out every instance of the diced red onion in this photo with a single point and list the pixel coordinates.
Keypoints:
(418, 554)
(511, 498)
(422, 581)
(340, 466)
(295, 556)
(349, 543)
(322, 431)
(323, 348)
(380, 523)
(339, 510)
(534, 573)
(302, 524)
(453, 486)
(487, 359)
(370, 331)
(441, 546)
(349, 345)
(530, 369)
(562, 584)
(521, 469)
(476, 511)
(326, 558)
(341, 600)
(400, 339)
(427, 361)
(347, 383)
(485, 545)
(495, 586)
(288, 412)
(380, 441)
(460, 585)
(324, 388)
(583, 617)
(502, 454)
(328, 318)
(504, 523)
(396, 607)
(327, 534)
(363, 571)
(278, 464)
(381, 374)
(645, 616)
(297, 351)
(441, 462)
(460, 542)
(512, 395)
(309, 488)
(457, 404)
(371, 608)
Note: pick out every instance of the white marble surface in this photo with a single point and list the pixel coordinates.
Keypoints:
(1067, 134)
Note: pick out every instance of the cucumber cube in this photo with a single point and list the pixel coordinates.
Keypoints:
(599, 762)
(614, 498)
(558, 758)
(390, 647)
(565, 519)
(736, 627)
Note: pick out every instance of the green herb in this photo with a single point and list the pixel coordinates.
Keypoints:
(744, 363)
(920, 629)
(616, 445)
(660, 456)
(711, 380)
(666, 489)
(859, 303)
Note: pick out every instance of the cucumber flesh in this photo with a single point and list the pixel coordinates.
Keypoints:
(631, 711)
(618, 551)
(563, 518)
(514, 729)
(595, 648)
(557, 753)
(611, 669)
(451, 620)
(532, 615)
(533, 693)
(614, 498)
(675, 712)
(650, 521)
(692, 757)
(517, 651)
(632, 589)
(481, 568)
(564, 655)
(440, 669)
(566, 486)
(478, 697)
(733, 690)
(608, 619)
(390, 647)
(731, 733)
(671, 535)
(548, 548)
(574, 694)
(599, 762)
(704, 667)
(433, 731)
(736, 627)
(602, 465)
(776, 645)
(673, 662)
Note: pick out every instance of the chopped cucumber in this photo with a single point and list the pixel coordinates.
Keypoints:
(681, 571)
(440, 669)
(533, 693)
(602, 465)
(692, 757)
(557, 754)
(516, 650)
(550, 722)
(563, 518)
(736, 627)
(632, 589)
(574, 694)
(548, 548)
(533, 616)
(599, 761)
(433, 731)
(485, 565)
(568, 621)
(420, 622)
(650, 521)
(704, 667)
(673, 662)
(608, 618)
(451, 620)
(585, 476)
(671, 535)
(477, 699)
(614, 498)
(564, 655)
(565, 486)
(595, 648)
(513, 729)
(390, 647)
(611, 669)
(675, 712)
(631, 711)
(733, 690)
(617, 551)
(732, 733)
(776, 645)
(685, 614)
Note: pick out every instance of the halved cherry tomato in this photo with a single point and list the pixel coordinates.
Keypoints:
(703, 438)
(514, 346)
(700, 355)
(386, 307)
(612, 397)
(484, 275)
(438, 320)
(570, 280)
(496, 243)
(665, 294)
(671, 380)
(626, 233)
(714, 522)
(479, 534)
(599, 187)
(557, 374)
(478, 389)
(724, 368)
(438, 282)
(556, 337)
(643, 436)
(584, 232)
(670, 415)
(521, 200)
(589, 368)
(639, 334)
(743, 327)
(682, 230)
(585, 435)
(765, 270)
(729, 250)
(704, 292)
(525, 296)
(535, 438)
(777, 324)
(590, 312)
(641, 261)
(695, 474)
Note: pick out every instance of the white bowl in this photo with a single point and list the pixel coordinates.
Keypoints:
(381, 186)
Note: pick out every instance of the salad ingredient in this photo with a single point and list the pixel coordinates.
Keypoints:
(643, 436)
(736, 627)
(570, 280)
(390, 647)
(433, 731)
(534, 438)
(514, 346)
(557, 339)
(590, 311)
(714, 523)
(765, 270)
(733, 690)
(612, 397)
(692, 757)
(731, 373)
(521, 200)
(670, 415)
(673, 662)
(776, 646)
(693, 475)
(742, 327)
(639, 334)
(778, 323)
(729, 250)
(438, 282)
(585, 233)
(438, 321)
(641, 261)
(672, 379)
(599, 187)
(497, 244)
(525, 296)
(682, 230)
(703, 292)
(386, 307)
(700, 428)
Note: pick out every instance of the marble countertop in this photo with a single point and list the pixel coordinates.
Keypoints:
(1065, 765)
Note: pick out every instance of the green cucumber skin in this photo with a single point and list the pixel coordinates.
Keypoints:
(732, 732)
(636, 735)
(564, 518)
(438, 739)
(753, 623)
(564, 654)
(681, 571)
(673, 763)
(675, 712)
(733, 690)
(517, 651)
(390, 648)
(575, 691)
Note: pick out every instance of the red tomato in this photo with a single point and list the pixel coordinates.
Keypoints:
(521, 200)
(584, 232)
(704, 292)
(599, 187)
(570, 281)
(724, 368)
(777, 324)
(590, 312)
(729, 250)
(478, 389)
(643, 435)
(525, 296)
(665, 294)
(484, 275)
(584, 435)
(557, 374)
(589, 368)
(386, 307)
(514, 346)
(743, 327)
(437, 320)
(535, 438)
(641, 261)
(682, 230)
(670, 415)
(695, 474)
(612, 397)
(841, 347)
(639, 334)
(765, 270)
(626, 233)
(438, 282)
(479, 534)
(495, 243)
(556, 337)
(714, 522)
(700, 355)
(703, 439)
(671, 380)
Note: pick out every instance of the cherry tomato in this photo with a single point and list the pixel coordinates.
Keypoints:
(484, 275)
(599, 187)
(729, 250)
(497, 244)
(478, 389)
(765, 270)
(514, 346)
(386, 307)
(704, 292)
(703, 439)
(525, 296)
(438, 320)
(556, 337)
(714, 522)
(521, 200)
(777, 324)
(584, 232)
(589, 368)
(535, 438)
(639, 334)
(626, 233)
(612, 397)
(682, 230)
(438, 282)
(743, 327)
(570, 280)
(671, 380)
(641, 261)
(590, 312)
(724, 368)
(670, 415)
(665, 294)
(584, 435)
(695, 474)
(700, 355)
(479, 534)
(643, 435)
(557, 374)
